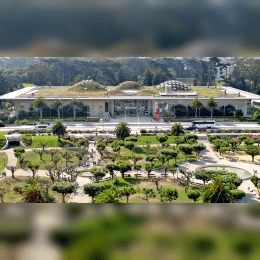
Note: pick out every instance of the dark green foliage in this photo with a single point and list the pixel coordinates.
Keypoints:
(193, 195)
(63, 188)
(59, 129)
(93, 189)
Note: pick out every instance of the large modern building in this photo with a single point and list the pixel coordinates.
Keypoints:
(127, 105)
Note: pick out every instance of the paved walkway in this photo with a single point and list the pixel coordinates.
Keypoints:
(79, 196)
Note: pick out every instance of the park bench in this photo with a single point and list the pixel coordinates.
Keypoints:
(138, 175)
(257, 163)
(107, 178)
(163, 174)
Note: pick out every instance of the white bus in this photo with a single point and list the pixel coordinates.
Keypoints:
(202, 124)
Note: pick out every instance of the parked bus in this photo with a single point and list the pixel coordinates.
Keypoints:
(204, 124)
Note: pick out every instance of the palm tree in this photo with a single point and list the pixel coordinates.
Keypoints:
(216, 192)
(210, 104)
(74, 103)
(122, 130)
(177, 129)
(39, 103)
(56, 105)
(196, 104)
(59, 129)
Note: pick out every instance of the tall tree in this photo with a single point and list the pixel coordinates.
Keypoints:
(216, 64)
(211, 103)
(196, 104)
(57, 104)
(40, 103)
(74, 103)
(122, 130)
(59, 129)
(177, 129)
(148, 77)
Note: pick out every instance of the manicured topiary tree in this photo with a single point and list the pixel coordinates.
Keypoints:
(129, 145)
(112, 167)
(193, 195)
(237, 194)
(169, 194)
(98, 173)
(186, 149)
(64, 188)
(12, 169)
(124, 167)
(162, 139)
(127, 192)
(252, 150)
(148, 193)
(33, 167)
(93, 189)
(198, 148)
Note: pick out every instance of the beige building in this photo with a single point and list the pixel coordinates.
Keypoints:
(129, 105)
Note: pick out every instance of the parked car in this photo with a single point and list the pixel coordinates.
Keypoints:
(43, 127)
(190, 128)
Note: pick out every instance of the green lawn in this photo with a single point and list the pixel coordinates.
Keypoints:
(46, 159)
(143, 138)
(3, 161)
(52, 141)
(28, 85)
(211, 92)
(12, 197)
(144, 182)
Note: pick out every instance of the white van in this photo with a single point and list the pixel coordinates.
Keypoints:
(43, 127)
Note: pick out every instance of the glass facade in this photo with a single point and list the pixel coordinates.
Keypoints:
(130, 107)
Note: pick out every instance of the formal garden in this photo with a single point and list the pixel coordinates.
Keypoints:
(122, 158)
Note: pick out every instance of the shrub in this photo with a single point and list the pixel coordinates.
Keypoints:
(4, 173)
(143, 131)
(2, 141)
(27, 139)
(22, 115)
(11, 120)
